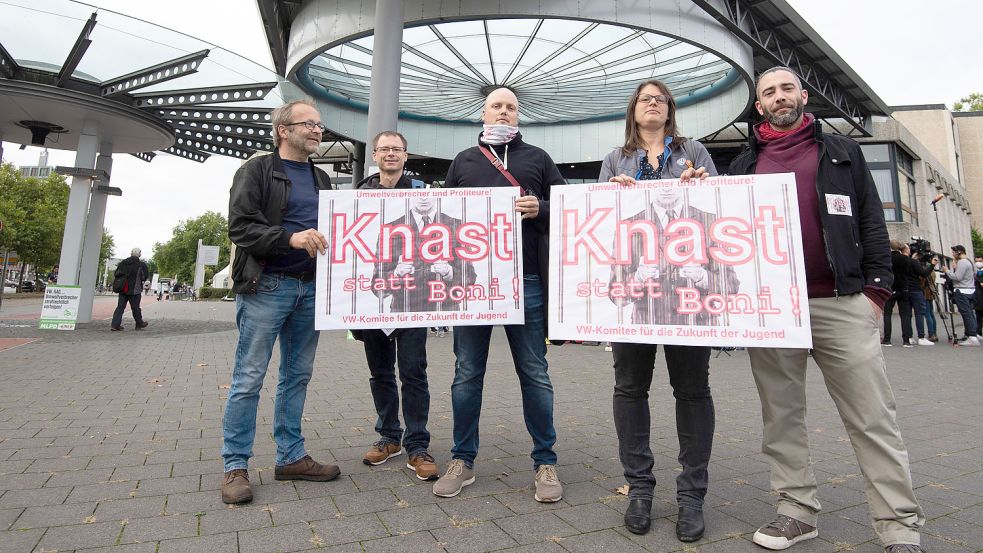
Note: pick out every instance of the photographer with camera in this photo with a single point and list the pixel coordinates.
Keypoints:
(921, 269)
(964, 288)
(907, 294)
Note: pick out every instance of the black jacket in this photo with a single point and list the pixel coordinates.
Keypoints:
(135, 272)
(857, 246)
(533, 168)
(257, 201)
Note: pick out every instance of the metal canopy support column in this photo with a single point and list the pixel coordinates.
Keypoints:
(93, 237)
(386, 56)
(78, 207)
(358, 163)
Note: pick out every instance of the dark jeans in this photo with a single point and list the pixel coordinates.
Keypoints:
(406, 347)
(528, 345)
(979, 322)
(689, 368)
(964, 303)
(904, 309)
(920, 306)
(134, 302)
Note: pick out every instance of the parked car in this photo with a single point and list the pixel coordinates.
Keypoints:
(28, 286)
(9, 287)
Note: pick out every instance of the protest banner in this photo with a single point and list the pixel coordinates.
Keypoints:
(418, 258)
(714, 262)
(60, 307)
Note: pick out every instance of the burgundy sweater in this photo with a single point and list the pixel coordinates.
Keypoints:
(797, 151)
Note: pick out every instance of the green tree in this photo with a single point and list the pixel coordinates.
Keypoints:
(106, 251)
(33, 214)
(177, 256)
(973, 102)
(977, 241)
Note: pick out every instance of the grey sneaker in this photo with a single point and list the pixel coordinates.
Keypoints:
(784, 532)
(903, 548)
(548, 486)
(457, 476)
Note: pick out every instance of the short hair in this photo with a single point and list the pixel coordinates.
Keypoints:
(896, 245)
(375, 139)
(775, 69)
(135, 252)
(282, 115)
(960, 249)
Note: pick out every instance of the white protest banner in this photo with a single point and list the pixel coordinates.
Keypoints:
(419, 257)
(60, 307)
(716, 262)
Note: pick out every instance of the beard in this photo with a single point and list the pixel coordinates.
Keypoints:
(787, 119)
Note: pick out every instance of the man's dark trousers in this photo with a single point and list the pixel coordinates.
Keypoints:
(904, 309)
(689, 377)
(407, 348)
(134, 301)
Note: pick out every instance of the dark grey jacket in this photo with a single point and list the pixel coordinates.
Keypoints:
(857, 246)
(257, 201)
(615, 163)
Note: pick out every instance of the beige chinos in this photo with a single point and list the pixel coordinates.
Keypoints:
(846, 346)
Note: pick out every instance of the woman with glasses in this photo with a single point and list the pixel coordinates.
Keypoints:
(654, 149)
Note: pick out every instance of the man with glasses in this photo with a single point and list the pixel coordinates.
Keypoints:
(272, 222)
(501, 158)
(407, 346)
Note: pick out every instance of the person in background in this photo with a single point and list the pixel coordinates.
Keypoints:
(132, 273)
(962, 277)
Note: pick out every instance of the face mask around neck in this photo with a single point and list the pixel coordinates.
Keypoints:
(498, 134)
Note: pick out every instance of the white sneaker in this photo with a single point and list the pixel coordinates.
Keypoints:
(924, 342)
(968, 341)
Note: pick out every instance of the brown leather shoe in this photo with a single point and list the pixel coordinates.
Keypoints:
(424, 466)
(235, 487)
(306, 469)
(380, 452)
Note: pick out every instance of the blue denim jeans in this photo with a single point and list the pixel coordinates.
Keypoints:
(689, 376)
(406, 347)
(528, 345)
(918, 303)
(282, 307)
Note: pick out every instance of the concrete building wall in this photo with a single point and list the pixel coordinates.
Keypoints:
(932, 177)
(970, 129)
(934, 127)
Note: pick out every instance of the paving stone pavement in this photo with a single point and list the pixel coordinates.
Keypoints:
(111, 441)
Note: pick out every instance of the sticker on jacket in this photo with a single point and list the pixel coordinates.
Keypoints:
(838, 204)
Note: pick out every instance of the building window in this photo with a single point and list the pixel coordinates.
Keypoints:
(876, 153)
(885, 189)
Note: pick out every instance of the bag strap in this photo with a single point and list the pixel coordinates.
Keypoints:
(501, 168)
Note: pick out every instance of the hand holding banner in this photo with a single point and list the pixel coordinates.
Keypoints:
(417, 258)
(713, 261)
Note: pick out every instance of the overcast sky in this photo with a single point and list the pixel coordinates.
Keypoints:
(908, 52)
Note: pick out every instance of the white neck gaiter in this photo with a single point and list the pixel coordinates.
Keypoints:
(498, 134)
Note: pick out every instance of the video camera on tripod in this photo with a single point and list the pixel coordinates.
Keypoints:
(922, 247)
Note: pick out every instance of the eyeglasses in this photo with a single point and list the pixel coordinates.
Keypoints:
(647, 98)
(389, 150)
(309, 125)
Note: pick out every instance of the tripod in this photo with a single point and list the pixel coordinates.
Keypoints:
(938, 305)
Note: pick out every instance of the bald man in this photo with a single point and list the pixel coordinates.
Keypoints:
(501, 158)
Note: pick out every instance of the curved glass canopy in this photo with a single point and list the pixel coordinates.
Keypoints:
(214, 101)
(561, 70)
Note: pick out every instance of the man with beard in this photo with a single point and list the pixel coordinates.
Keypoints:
(848, 268)
(272, 222)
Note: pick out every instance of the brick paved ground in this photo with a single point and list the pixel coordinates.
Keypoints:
(110, 441)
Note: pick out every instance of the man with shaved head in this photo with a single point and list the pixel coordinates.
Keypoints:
(501, 158)
(848, 277)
